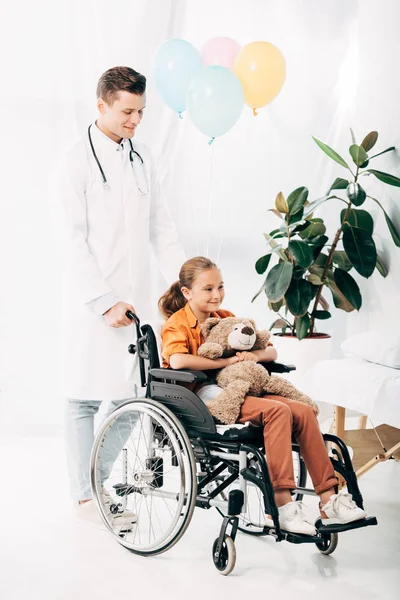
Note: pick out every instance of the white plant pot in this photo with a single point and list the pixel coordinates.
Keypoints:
(303, 354)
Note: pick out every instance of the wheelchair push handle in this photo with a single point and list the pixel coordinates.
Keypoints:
(131, 315)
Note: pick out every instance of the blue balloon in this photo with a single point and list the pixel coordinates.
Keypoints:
(215, 100)
(175, 64)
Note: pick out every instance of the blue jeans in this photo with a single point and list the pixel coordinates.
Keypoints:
(79, 438)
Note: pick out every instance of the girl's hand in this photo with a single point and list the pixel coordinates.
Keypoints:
(246, 356)
(229, 361)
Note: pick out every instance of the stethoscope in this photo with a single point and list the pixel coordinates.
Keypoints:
(132, 152)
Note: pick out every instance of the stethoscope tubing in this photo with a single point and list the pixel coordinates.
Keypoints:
(132, 151)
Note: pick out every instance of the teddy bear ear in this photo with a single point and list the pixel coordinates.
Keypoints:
(253, 324)
(208, 325)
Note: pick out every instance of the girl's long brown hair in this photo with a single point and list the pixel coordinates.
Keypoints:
(173, 299)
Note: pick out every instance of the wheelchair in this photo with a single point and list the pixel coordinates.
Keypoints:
(169, 456)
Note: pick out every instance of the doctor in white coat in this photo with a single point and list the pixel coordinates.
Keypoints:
(112, 216)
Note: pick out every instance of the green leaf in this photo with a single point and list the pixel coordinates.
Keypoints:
(298, 272)
(281, 204)
(393, 231)
(286, 228)
(358, 154)
(331, 153)
(275, 246)
(299, 227)
(339, 299)
(278, 324)
(298, 296)
(358, 218)
(321, 259)
(385, 177)
(340, 184)
(356, 194)
(380, 266)
(276, 306)
(276, 234)
(314, 279)
(353, 137)
(310, 208)
(360, 249)
(340, 259)
(297, 199)
(262, 288)
(262, 264)
(321, 314)
(349, 288)
(278, 281)
(302, 326)
(315, 228)
(294, 219)
(318, 244)
(370, 140)
(301, 253)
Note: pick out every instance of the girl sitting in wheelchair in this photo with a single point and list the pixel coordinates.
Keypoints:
(197, 295)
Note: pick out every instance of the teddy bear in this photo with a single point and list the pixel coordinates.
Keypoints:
(224, 338)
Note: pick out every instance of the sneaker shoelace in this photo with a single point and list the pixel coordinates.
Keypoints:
(344, 500)
(298, 510)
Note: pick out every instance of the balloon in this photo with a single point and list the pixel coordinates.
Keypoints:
(175, 63)
(261, 69)
(215, 100)
(220, 51)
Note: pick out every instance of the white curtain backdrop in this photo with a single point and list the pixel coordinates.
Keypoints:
(341, 72)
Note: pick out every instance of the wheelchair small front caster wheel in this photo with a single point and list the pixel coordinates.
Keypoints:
(329, 541)
(226, 560)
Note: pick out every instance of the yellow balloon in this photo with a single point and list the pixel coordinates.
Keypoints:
(261, 68)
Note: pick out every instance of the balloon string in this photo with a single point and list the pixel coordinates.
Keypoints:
(211, 141)
(180, 115)
(255, 113)
(209, 200)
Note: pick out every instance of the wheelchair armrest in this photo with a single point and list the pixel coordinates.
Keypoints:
(183, 375)
(276, 367)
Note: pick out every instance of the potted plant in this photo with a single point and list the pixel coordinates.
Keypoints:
(309, 261)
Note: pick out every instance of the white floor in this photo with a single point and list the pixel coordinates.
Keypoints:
(45, 554)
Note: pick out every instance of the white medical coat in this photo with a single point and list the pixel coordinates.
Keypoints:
(107, 235)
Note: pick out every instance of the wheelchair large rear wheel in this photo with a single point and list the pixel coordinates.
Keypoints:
(142, 461)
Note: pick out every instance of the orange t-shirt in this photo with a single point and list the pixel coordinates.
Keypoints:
(181, 333)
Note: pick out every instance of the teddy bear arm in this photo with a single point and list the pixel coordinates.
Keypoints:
(210, 350)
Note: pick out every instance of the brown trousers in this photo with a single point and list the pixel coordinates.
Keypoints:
(281, 418)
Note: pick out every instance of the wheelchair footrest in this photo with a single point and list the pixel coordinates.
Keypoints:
(298, 538)
(339, 527)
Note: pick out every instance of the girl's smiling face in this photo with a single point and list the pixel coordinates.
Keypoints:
(207, 292)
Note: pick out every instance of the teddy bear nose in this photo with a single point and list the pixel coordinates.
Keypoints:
(247, 330)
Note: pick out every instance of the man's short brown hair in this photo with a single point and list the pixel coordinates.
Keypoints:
(120, 79)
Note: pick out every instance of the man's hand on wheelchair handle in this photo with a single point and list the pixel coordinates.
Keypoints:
(116, 317)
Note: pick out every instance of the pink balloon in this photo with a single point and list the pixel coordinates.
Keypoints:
(220, 51)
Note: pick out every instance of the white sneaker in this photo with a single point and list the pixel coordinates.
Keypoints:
(293, 519)
(268, 521)
(341, 509)
(110, 501)
(121, 521)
